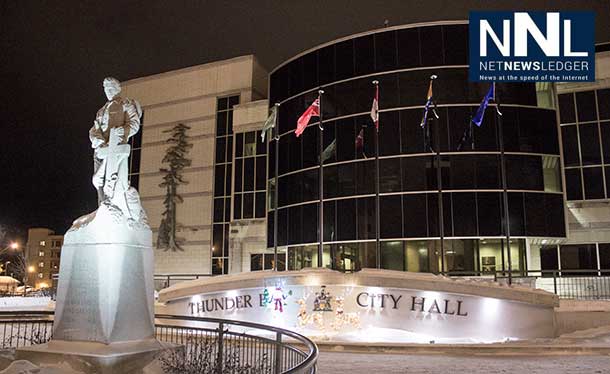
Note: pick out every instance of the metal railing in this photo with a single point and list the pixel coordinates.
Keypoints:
(221, 346)
(166, 280)
(585, 284)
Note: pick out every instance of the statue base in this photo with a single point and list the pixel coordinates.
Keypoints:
(87, 357)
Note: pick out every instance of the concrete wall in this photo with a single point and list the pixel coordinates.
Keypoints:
(188, 96)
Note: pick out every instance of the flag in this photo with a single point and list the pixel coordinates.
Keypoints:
(424, 119)
(360, 141)
(269, 123)
(303, 121)
(491, 95)
(375, 108)
(329, 151)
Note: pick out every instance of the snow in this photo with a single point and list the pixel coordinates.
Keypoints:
(20, 303)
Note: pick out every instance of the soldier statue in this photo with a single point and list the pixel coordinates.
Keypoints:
(114, 124)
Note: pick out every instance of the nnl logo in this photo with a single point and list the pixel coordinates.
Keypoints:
(532, 46)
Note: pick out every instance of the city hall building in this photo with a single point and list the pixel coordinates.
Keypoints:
(441, 192)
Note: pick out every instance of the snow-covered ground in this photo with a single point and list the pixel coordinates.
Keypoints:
(357, 363)
(17, 303)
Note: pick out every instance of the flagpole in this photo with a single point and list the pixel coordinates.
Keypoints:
(439, 181)
(504, 190)
(377, 223)
(321, 180)
(275, 197)
(441, 218)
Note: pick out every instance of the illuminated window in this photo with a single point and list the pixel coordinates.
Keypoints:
(41, 264)
(40, 275)
(43, 243)
(41, 254)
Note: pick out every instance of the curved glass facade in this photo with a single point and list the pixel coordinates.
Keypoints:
(402, 60)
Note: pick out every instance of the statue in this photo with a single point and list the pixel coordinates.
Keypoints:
(114, 124)
(105, 291)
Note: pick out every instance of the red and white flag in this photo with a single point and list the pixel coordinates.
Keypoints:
(375, 108)
(303, 121)
(360, 141)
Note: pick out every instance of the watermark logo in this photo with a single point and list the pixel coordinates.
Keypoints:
(532, 46)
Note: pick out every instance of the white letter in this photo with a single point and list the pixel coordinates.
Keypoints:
(503, 47)
(567, 41)
(524, 25)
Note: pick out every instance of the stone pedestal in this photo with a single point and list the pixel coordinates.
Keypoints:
(87, 357)
(104, 317)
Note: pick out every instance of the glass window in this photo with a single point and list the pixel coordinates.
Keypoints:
(219, 180)
(221, 123)
(346, 221)
(604, 256)
(488, 171)
(589, 144)
(516, 214)
(489, 214)
(261, 172)
(392, 255)
(330, 224)
(605, 127)
(573, 184)
(364, 55)
(594, 183)
(389, 134)
(566, 108)
(239, 145)
(259, 211)
(389, 175)
(418, 173)
(464, 214)
(249, 174)
(391, 219)
(552, 174)
(310, 223)
(461, 255)
(385, 51)
(415, 216)
(221, 149)
(416, 253)
(524, 172)
(548, 258)
(603, 103)
(585, 104)
(249, 143)
(344, 55)
(462, 171)
(238, 175)
(237, 206)
(408, 48)
(432, 48)
(326, 64)
(248, 205)
(578, 257)
(456, 44)
(535, 215)
(569, 137)
(366, 217)
(256, 262)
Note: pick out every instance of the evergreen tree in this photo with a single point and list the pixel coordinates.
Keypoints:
(175, 156)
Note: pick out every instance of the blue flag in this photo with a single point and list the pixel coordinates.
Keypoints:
(478, 117)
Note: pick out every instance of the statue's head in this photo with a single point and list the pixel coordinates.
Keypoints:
(112, 87)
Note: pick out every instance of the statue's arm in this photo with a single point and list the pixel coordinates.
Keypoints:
(133, 111)
(95, 135)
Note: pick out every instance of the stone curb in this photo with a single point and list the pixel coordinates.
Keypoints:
(466, 349)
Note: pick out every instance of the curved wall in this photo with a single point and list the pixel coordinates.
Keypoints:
(402, 60)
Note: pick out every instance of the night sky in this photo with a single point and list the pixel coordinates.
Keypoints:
(54, 55)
